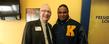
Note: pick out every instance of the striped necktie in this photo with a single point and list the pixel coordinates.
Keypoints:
(49, 35)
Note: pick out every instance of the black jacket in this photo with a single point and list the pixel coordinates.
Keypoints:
(59, 31)
(33, 36)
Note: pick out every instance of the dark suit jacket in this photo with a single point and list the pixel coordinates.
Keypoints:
(32, 36)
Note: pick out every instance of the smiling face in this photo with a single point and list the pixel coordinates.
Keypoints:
(62, 13)
(45, 13)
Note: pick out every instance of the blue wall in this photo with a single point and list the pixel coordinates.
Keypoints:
(85, 14)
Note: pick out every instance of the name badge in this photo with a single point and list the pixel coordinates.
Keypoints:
(38, 28)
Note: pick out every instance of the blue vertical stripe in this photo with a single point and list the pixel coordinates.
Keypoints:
(85, 14)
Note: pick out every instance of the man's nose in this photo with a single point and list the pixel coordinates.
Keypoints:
(46, 13)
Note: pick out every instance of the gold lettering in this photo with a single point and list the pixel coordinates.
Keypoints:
(70, 31)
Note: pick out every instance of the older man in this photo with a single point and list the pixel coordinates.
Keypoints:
(38, 32)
